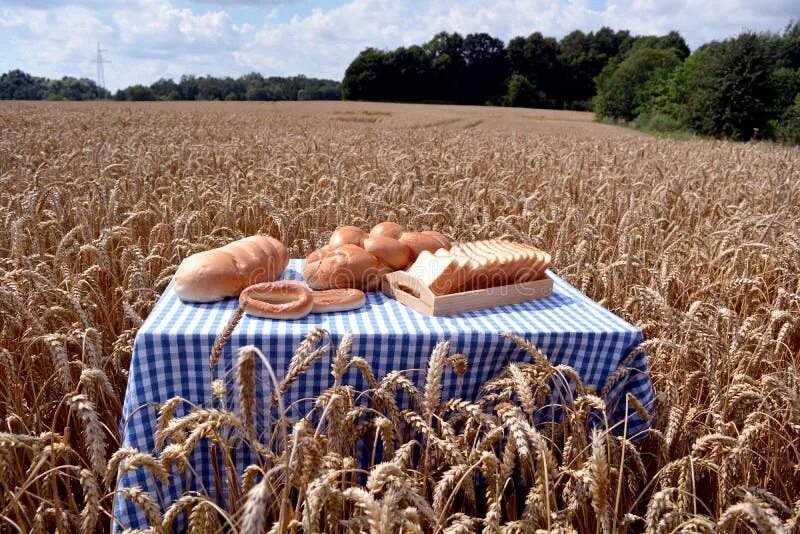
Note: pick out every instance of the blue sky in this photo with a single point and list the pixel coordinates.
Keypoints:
(149, 39)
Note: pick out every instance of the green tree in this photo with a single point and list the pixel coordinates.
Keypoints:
(139, 93)
(485, 68)
(629, 89)
(583, 57)
(732, 93)
(536, 59)
(789, 124)
(364, 78)
(163, 88)
(522, 93)
(446, 53)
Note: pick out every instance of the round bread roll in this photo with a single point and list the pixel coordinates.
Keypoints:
(320, 253)
(390, 251)
(335, 300)
(225, 271)
(387, 229)
(347, 235)
(287, 299)
(348, 266)
(419, 241)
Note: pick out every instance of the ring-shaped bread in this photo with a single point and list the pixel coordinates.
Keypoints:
(285, 299)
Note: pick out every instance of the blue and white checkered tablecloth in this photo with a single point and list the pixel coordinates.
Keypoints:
(171, 358)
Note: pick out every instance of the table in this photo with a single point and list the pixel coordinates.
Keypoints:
(171, 358)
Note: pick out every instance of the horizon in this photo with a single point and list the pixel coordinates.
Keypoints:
(146, 40)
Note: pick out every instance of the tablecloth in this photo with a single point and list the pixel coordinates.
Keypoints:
(171, 358)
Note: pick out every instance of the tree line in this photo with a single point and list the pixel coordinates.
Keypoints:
(251, 86)
(739, 88)
(19, 85)
(533, 71)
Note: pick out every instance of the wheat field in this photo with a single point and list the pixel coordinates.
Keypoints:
(696, 242)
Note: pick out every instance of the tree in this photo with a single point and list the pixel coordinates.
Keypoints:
(485, 68)
(163, 88)
(19, 85)
(536, 58)
(364, 77)
(446, 54)
(139, 93)
(584, 56)
(731, 95)
(673, 40)
(628, 90)
(789, 124)
(522, 93)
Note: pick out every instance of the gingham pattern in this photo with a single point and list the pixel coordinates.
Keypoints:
(171, 350)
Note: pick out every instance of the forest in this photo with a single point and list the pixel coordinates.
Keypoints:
(739, 88)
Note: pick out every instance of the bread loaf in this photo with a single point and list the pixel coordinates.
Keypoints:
(342, 267)
(479, 265)
(225, 271)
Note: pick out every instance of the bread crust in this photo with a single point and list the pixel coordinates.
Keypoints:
(224, 272)
(286, 299)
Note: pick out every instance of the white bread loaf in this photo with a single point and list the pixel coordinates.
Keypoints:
(479, 265)
(225, 271)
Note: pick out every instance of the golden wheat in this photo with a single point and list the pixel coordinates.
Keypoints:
(696, 242)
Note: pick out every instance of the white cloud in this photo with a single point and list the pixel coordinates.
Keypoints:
(148, 39)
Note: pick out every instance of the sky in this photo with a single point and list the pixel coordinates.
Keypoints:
(149, 39)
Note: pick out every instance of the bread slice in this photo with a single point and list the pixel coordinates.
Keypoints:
(501, 266)
(436, 272)
(476, 267)
(522, 260)
(525, 259)
(540, 264)
(465, 269)
(511, 260)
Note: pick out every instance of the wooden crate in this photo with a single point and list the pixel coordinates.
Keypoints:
(409, 291)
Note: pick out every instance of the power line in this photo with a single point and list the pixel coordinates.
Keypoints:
(101, 79)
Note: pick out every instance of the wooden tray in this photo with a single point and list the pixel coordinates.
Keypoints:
(409, 291)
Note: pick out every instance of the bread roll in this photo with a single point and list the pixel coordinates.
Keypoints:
(224, 272)
(346, 266)
(419, 241)
(387, 229)
(347, 235)
(390, 251)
